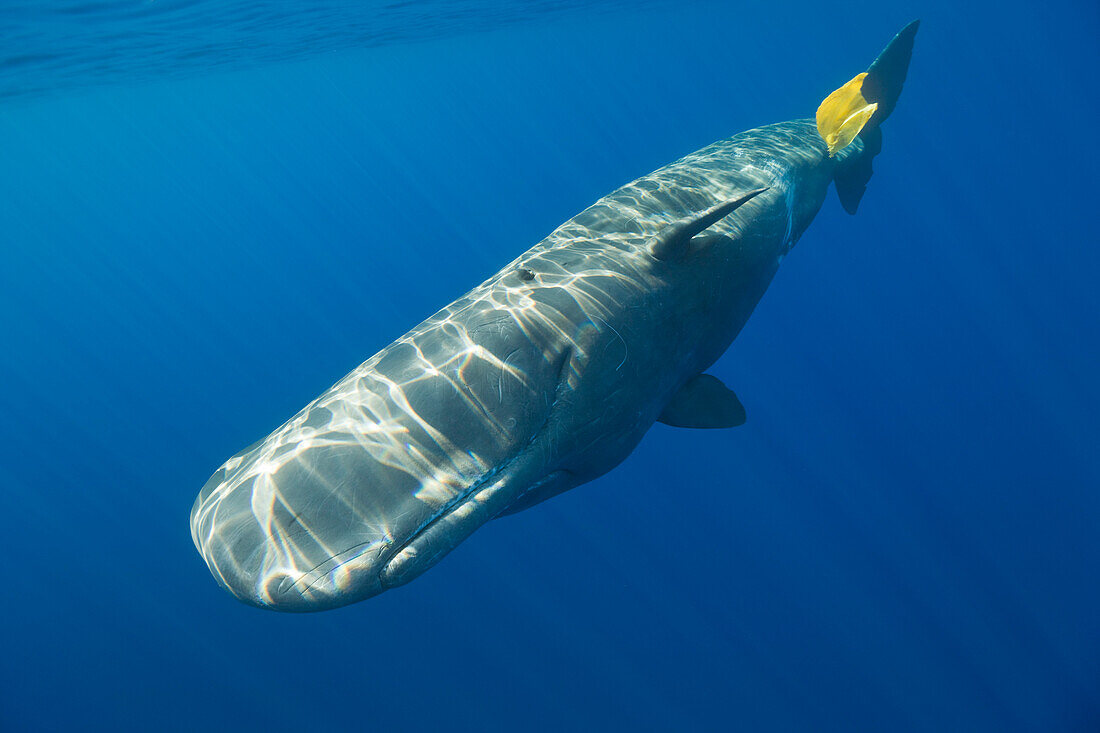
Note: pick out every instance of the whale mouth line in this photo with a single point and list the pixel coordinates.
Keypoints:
(313, 576)
(387, 552)
(446, 510)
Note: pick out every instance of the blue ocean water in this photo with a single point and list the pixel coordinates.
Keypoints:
(209, 212)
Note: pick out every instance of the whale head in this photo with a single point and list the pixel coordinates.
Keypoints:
(322, 523)
(326, 522)
(300, 531)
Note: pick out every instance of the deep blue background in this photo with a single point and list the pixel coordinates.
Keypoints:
(904, 536)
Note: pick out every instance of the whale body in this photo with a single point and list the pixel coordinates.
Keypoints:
(542, 378)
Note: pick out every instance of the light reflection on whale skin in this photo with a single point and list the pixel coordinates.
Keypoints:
(542, 378)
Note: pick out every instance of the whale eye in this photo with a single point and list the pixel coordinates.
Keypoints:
(525, 274)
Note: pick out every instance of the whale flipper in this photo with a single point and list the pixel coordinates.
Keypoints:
(704, 402)
(672, 241)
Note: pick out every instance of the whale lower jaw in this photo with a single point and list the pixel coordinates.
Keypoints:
(444, 533)
(353, 575)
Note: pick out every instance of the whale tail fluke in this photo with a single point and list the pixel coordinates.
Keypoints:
(858, 108)
(886, 76)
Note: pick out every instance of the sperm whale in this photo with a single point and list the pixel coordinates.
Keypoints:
(545, 376)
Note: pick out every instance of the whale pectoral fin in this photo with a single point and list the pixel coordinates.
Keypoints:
(672, 241)
(704, 402)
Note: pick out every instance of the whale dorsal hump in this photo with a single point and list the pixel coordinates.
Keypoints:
(704, 402)
(672, 241)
